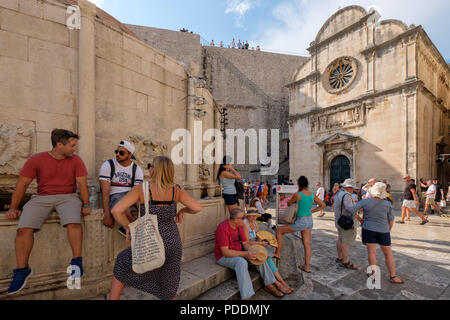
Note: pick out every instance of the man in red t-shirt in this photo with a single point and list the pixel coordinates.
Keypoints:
(58, 172)
(230, 251)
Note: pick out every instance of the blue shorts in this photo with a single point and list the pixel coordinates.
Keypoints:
(230, 199)
(303, 223)
(116, 197)
(372, 237)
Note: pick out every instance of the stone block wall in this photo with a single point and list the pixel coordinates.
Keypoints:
(137, 88)
(38, 80)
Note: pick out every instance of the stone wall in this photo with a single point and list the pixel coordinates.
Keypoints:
(182, 46)
(251, 85)
(137, 87)
(38, 81)
(237, 79)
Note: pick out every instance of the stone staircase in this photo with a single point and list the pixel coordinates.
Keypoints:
(201, 279)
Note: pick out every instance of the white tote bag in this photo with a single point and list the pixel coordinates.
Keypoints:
(443, 203)
(147, 247)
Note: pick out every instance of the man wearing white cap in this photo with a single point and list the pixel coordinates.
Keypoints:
(117, 177)
(342, 204)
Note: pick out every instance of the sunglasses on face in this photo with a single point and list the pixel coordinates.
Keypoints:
(121, 152)
(149, 165)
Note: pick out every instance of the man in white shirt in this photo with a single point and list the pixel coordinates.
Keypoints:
(320, 193)
(366, 188)
(117, 177)
(431, 196)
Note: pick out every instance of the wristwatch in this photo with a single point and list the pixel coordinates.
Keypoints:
(86, 205)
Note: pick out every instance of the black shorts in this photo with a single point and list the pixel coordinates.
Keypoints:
(230, 199)
(372, 237)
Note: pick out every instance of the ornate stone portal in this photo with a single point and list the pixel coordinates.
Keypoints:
(334, 146)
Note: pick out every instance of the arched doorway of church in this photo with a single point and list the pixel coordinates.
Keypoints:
(340, 170)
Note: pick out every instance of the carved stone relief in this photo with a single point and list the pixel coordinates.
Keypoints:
(16, 146)
(147, 149)
(337, 120)
(204, 172)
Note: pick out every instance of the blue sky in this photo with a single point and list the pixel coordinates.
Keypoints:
(285, 26)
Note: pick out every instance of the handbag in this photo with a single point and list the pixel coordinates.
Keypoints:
(147, 247)
(443, 203)
(288, 215)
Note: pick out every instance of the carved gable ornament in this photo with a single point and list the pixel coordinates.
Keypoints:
(338, 138)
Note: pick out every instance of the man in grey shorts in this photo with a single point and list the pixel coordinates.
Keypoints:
(342, 203)
(58, 172)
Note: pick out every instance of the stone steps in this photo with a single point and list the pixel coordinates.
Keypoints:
(229, 290)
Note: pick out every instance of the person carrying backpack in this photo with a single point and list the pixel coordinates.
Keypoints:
(117, 177)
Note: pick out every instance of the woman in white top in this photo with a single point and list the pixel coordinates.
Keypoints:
(265, 217)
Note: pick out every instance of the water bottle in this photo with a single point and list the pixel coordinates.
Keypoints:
(93, 197)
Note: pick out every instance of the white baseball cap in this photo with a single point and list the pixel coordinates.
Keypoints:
(127, 145)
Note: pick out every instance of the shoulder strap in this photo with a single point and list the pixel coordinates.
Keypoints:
(240, 239)
(113, 168)
(133, 176)
(342, 202)
(150, 192)
(146, 190)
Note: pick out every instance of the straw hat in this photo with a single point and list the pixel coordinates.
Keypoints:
(266, 235)
(379, 190)
(261, 254)
(253, 212)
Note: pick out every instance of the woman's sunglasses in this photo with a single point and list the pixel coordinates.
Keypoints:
(149, 165)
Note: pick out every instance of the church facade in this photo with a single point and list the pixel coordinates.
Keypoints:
(372, 101)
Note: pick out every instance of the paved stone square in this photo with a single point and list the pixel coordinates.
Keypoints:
(422, 257)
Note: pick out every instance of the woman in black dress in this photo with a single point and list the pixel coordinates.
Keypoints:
(164, 196)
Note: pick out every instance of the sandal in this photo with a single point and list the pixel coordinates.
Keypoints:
(392, 280)
(401, 222)
(303, 269)
(424, 222)
(349, 265)
(338, 260)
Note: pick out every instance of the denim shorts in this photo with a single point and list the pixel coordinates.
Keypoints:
(230, 199)
(372, 237)
(303, 223)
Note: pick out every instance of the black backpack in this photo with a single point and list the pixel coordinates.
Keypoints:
(113, 171)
